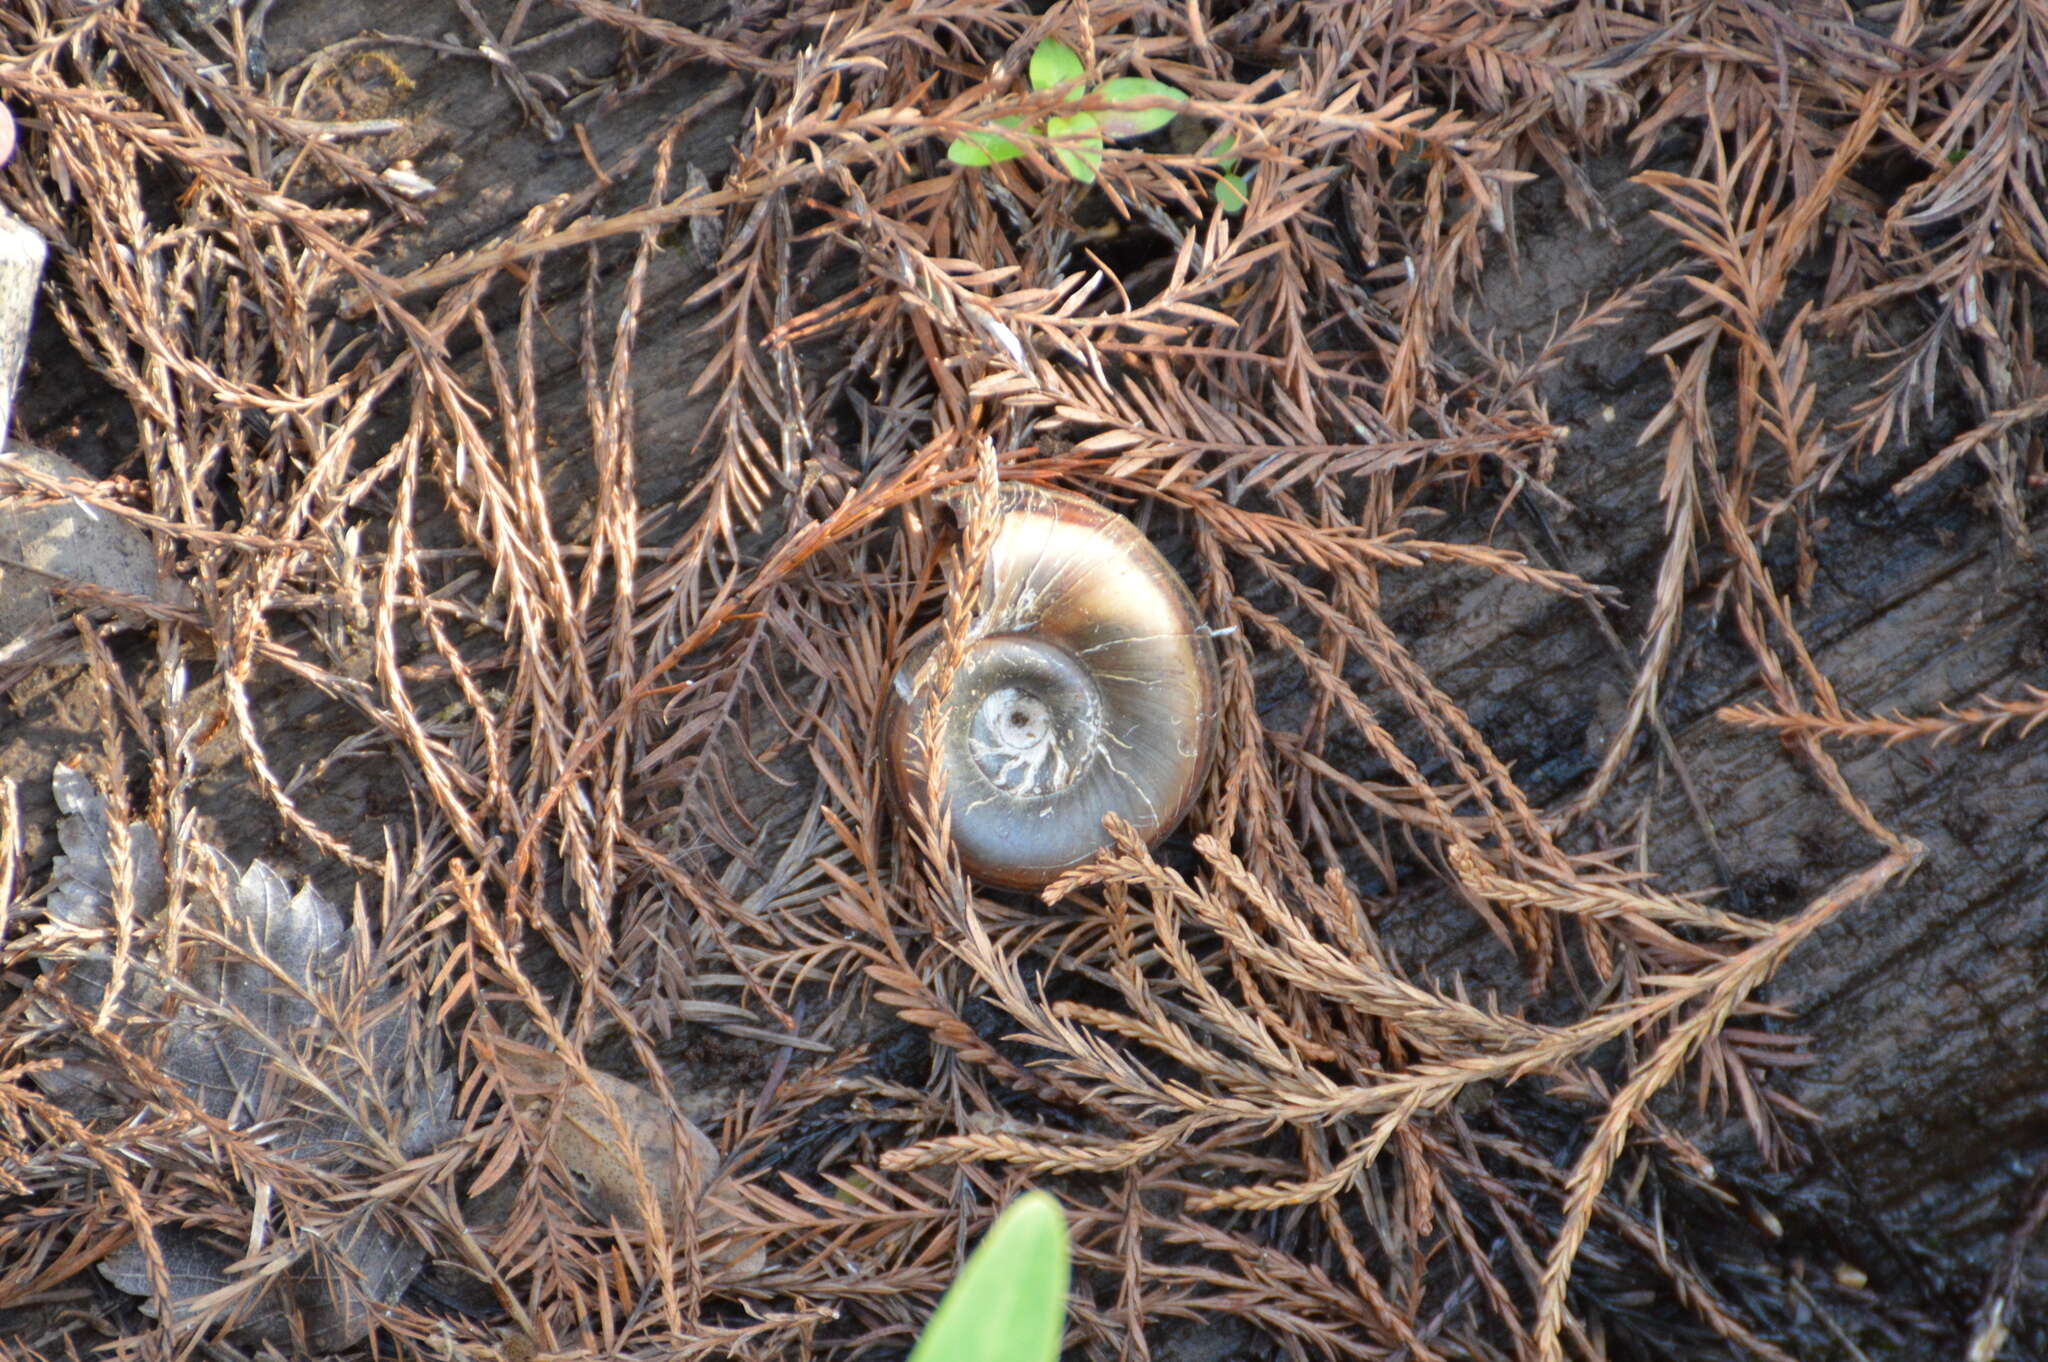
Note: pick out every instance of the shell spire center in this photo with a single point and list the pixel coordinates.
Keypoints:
(1015, 740)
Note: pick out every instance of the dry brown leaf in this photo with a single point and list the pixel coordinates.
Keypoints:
(600, 1127)
(252, 1011)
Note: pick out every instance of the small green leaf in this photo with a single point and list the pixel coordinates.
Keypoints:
(1136, 122)
(985, 148)
(1082, 157)
(1009, 1303)
(1230, 189)
(1054, 63)
(1232, 193)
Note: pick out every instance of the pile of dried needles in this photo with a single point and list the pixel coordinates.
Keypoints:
(642, 820)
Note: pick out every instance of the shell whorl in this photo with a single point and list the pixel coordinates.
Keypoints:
(1087, 686)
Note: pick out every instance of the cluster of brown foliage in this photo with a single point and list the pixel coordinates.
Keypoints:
(645, 749)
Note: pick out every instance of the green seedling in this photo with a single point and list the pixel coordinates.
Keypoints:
(1081, 135)
(1232, 194)
(1053, 64)
(1083, 131)
(1009, 1303)
(985, 148)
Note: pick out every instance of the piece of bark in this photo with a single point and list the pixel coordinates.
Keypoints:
(44, 544)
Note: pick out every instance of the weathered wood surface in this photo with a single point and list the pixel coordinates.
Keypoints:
(1928, 1007)
(21, 270)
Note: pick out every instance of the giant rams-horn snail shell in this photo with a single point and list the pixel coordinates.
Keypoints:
(1088, 686)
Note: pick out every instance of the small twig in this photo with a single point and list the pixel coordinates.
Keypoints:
(1991, 1325)
(1827, 1319)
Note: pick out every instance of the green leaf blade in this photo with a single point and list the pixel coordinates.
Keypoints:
(1009, 1303)
(1232, 193)
(1054, 63)
(1081, 157)
(985, 148)
(1136, 122)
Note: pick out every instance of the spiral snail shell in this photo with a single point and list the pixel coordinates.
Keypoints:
(1088, 686)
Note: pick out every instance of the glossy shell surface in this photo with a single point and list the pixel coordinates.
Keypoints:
(1088, 686)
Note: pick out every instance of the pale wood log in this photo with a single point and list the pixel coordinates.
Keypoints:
(21, 271)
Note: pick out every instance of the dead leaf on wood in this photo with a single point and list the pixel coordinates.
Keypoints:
(599, 1125)
(250, 1010)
